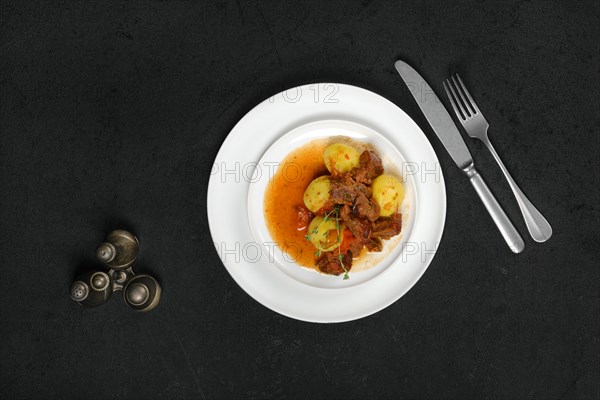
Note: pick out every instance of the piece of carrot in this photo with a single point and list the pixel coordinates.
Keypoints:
(347, 238)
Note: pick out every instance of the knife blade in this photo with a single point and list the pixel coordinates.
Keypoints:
(436, 114)
(445, 129)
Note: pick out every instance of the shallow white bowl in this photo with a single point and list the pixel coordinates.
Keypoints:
(371, 264)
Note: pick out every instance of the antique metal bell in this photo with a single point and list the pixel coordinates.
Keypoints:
(118, 253)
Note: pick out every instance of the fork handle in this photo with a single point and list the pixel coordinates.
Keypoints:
(538, 227)
(507, 229)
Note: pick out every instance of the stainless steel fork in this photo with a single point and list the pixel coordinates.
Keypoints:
(476, 126)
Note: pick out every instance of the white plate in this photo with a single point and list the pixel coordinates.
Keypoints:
(288, 120)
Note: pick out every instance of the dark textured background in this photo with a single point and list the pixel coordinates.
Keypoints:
(111, 116)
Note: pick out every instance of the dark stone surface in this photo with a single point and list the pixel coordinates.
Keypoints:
(111, 116)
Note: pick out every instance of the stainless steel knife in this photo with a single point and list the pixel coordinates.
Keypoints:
(442, 124)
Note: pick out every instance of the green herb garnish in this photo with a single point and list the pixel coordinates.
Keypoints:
(336, 213)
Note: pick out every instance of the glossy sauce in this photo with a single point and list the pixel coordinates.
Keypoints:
(285, 192)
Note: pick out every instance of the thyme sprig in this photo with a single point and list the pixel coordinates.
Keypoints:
(339, 240)
(327, 217)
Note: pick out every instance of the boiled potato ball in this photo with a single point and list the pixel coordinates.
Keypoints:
(388, 192)
(316, 194)
(340, 157)
(323, 234)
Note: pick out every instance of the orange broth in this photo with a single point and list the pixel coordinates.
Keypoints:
(285, 192)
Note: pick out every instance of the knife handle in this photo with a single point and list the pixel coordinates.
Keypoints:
(507, 229)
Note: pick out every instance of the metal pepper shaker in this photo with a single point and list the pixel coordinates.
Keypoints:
(119, 251)
(92, 289)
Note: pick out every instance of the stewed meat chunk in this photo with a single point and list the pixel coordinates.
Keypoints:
(369, 167)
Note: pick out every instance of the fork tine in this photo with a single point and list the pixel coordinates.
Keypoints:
(464, 110)
(464, 88)
(462, 96)
(457, 108)
(461, 88)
